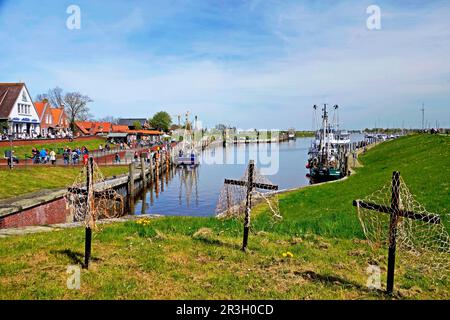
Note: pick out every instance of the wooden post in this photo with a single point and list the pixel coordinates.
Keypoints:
(151, 168)
(395, 206)
(131, 179)
(88, 230)
(144, 177)
(157, 167)
(87, 247)
(167, 162)
(248, 204)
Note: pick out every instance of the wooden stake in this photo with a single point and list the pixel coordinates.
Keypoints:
(395, 206)
(87, 247)
(248, 204)
(88, 230)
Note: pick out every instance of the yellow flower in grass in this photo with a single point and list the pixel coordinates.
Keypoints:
(288, 254)
(143, 222)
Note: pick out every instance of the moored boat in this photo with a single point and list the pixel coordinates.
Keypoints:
(327, 152)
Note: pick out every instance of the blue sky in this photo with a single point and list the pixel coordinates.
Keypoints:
(258, 63)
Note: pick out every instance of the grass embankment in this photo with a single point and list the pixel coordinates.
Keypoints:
(25, 151)
(171, 258)
(304, 134)
(22, 180)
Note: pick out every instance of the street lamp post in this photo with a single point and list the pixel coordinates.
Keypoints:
(11, 159)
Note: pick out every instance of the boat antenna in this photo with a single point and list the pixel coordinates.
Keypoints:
(336, 108)
(315, 118)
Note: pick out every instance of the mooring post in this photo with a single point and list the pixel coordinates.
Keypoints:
(157, 166)
(248, 204)
(88, 230)
(144, 177)
(395, 206)
(167, 161)
(151, 168)
(131, 179)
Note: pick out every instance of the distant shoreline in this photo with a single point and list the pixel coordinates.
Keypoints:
(303, 134)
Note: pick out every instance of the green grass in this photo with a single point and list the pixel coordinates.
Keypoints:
(22, 151)
(171, 259)
(22, 180)
(303, 134)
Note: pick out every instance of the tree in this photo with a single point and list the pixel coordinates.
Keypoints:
(74, 103)
(161, 121)
(110, 119)
(75, 106)
(220, 127)
(54, 96)
(137, 125)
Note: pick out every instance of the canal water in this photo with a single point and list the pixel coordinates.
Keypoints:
(195, 191)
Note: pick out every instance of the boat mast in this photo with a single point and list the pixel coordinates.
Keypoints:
(325, 125)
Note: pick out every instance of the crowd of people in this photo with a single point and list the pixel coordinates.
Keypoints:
(78, 155)
(33, 135)
(69, 155)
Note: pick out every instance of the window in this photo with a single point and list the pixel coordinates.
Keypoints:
(24, 96)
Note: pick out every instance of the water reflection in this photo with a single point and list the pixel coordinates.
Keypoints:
(195, 191)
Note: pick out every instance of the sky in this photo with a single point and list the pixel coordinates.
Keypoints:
(248, 63)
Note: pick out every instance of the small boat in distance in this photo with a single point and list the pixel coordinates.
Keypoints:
(186, 152)
(326, 159)
(291, 134)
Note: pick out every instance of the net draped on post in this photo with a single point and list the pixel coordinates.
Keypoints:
(232, 198)
(91, 198)
(421, 237)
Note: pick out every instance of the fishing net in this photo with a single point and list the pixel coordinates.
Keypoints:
(232, 198)
(422, 241)
(101, 201)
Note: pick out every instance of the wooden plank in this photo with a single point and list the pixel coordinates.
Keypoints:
(430, 218)
(254, 184)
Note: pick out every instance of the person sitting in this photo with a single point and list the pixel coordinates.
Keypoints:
(35, 155)
(43, 155)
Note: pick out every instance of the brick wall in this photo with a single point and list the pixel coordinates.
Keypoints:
(49, 213)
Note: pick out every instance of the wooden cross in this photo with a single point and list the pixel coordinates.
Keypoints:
(395, 212)
(250, 184)
(89, 195)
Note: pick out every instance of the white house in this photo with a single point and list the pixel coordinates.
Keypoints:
(17, 110)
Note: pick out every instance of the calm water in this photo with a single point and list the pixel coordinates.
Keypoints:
(194, 192)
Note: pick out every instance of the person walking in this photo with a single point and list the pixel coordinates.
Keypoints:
(53, 157)
(117, 157)
(66, 156)
(85, 158)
